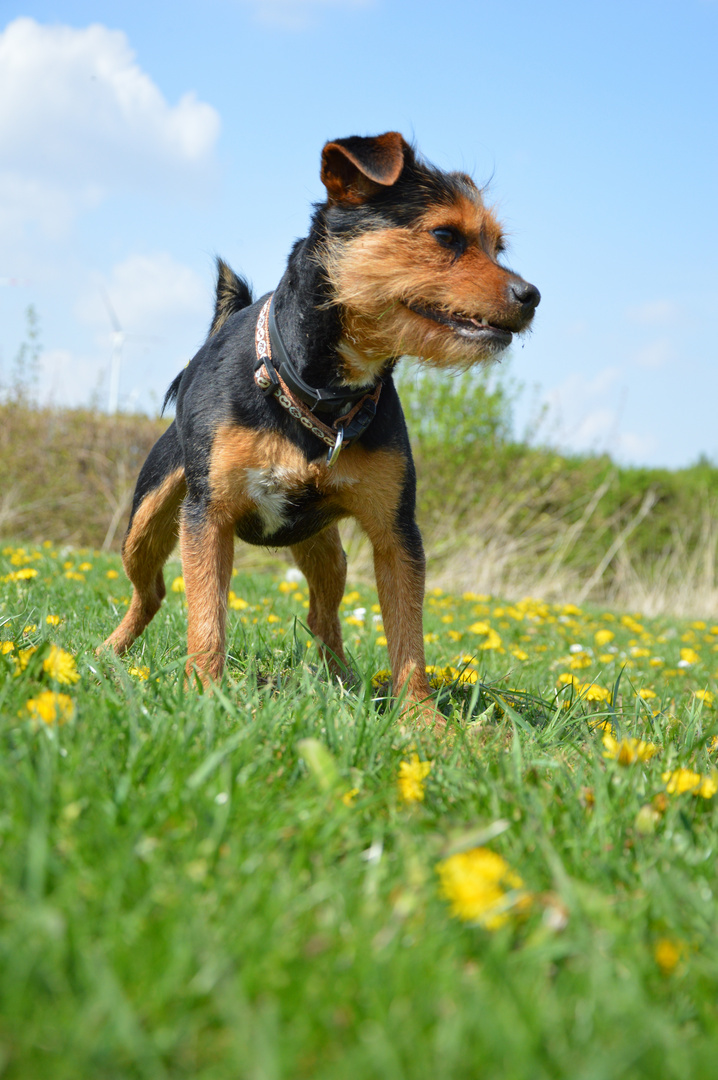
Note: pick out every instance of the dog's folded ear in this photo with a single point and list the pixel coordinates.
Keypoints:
(353, 169)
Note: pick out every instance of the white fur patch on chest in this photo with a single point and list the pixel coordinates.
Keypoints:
(270, 490)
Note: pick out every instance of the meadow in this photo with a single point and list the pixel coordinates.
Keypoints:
(284, 879)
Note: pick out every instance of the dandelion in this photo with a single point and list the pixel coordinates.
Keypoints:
(23, 658)
(603, 637)
(591, 692)
(21, 575)
(688, 658)
(177, 585)
(681, 781)
(51, 708)
(53, 620)
(111, 575)
(141, 673)
(6, 647)
(706, 696)
(85, 566)
(381, 678)
(628, 751)
(667, 954)
(412, 775)
(349, 796)
(481, 887)
(73, 575)
(61, 666)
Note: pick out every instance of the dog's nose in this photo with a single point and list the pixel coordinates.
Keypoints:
(527, 295)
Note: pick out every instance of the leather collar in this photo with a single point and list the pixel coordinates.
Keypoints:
(275, 374)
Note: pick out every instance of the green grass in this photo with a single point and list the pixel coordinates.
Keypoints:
(190, 888)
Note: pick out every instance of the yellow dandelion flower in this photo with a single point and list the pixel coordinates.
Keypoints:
(579, 661)
(602, 637)
(21, 575)
(706, 696)
(6, 647)
(111, 575)
(381, 640)
(23, 658)
(591, 692)
(381, 678)
(628, 751)
(178, 584)
(468, 675)
(667, 954)
(61, 666)
(287, 586)
(51, 707)
(236, 602)
(141, 673)
(53, 620)
(72, 575)
(481, 887)
(689, 656)
(85, 566)
(646, 693)
(349, 796)
(29, 629)
(681, 781)
(412, 774)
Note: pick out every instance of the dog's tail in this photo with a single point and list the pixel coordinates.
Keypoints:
(233, 294)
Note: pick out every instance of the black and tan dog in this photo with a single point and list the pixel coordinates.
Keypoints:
(288, 419)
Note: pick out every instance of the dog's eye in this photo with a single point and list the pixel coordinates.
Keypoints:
(450, 238)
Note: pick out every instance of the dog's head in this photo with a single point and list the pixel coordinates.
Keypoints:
(412, 256)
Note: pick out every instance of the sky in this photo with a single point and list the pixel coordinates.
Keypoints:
(140, 140)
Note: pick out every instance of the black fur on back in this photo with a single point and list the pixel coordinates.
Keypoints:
(233, 293)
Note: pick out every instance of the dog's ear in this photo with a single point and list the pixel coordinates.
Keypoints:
(355, 168)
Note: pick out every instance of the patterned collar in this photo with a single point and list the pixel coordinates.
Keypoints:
(303, 401)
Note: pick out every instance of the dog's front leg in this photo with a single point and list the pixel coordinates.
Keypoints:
(400, 569)
(207, 549)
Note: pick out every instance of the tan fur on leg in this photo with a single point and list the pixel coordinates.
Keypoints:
(207, 551)
(148, 545)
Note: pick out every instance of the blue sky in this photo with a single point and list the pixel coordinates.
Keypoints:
(139, 140)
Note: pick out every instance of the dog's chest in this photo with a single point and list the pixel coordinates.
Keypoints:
(285, 506)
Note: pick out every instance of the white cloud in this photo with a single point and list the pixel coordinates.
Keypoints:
(656, 354)
(585, 415)
(150, 295)
(79, 118)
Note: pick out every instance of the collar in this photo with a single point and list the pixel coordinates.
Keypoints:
(274, 373)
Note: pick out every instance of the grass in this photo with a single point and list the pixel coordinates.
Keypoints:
(234, 885)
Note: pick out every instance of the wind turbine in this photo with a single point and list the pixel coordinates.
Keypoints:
(118, 337)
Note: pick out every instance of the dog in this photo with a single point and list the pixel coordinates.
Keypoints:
(288, 420)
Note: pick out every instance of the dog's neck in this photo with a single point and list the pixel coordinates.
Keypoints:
(310, 325)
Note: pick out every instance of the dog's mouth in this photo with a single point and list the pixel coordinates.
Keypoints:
(466, 326)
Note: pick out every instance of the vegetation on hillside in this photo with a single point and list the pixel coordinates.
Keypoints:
(497, 515)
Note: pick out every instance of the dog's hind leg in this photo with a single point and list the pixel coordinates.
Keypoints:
(323, 563)
(151, 536)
